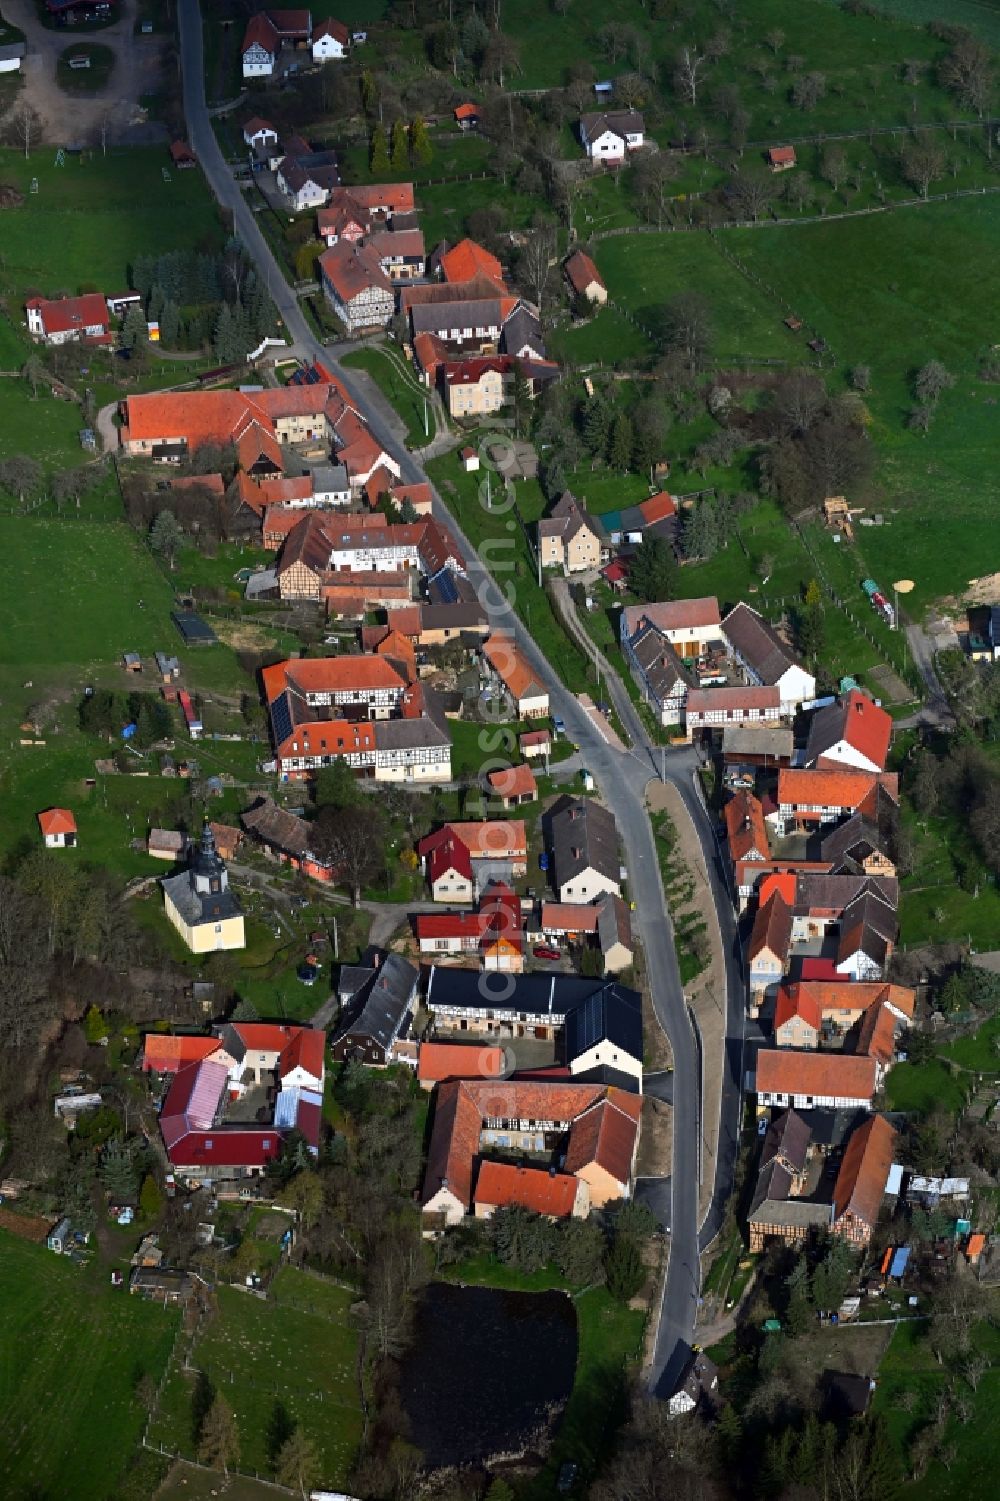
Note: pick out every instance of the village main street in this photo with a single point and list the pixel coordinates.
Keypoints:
(621, 776)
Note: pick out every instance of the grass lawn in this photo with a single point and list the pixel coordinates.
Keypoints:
(496, 534)
(910, 1365)
(257, 1353)
(444, 208)
(91, 218)
(610, 1339)
(608, 338)
(403, 392)
(69, 1418)
(644, 271)
(893, 291)
(979, 1051)
(89, 80)
(918, 1087)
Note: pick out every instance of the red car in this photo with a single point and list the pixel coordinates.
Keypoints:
(544, 952)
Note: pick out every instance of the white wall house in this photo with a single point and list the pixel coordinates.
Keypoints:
(329, 41)
(610, 136)
(258, 62)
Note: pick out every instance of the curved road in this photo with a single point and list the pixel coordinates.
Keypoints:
(622, 777)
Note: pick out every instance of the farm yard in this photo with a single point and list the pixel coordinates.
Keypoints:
(76, 1347)
(299, 1349)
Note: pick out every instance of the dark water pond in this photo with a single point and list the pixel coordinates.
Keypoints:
(488, 1372)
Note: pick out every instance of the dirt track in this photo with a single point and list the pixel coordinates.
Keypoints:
(76, 119)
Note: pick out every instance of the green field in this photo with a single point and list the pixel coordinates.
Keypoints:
(73, 1349)
(404, 394)
(90, 218)
(85, 80)
(257, 1353)
(919, 1087)
(644, 271)
(893, 291)
(910, 1365)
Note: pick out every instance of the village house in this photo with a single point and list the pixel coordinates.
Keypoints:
(477, 387)
(400, 252)
(768, 949)
(267, 33)
(465, 262)
(598, 1127)
(810, 797)
(632, 525)
(583, 839)
(200, 905)
(781, 158)
(306, 181)
(466, 116)
(861, 1182)
(539, 1005)
(555, 1195)
(437, 1062)
(182, 156)
(777, 1210)
(711, 710)
(166, 844)
(569, 538)
(206, 1138)
(260, 135)
(285, 838)
(815, 1081)
(508, 670)
(534, 743)
(854, 732)
(377, 1013)
(330, 41)
(659, 671)
(461, 858)
(766, 658)
(324, 550)
(585, 279)
(356, 286)
(357, 210)
(608, 136)
(604, 923)
(58, 828)
(513, 785)
(746, 831)
(808, 1012)
(699, 1386)
(691, 626)
(494, 933)
(69, 319)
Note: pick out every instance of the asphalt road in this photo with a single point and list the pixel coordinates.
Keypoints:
(622, 777)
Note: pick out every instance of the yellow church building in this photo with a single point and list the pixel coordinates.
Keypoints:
(200, 904)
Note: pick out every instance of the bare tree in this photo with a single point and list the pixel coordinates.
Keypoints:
(808, 90)
(752, 192)
(24, 128)
(653, 175)
(535, 260)
(967, 72)
(688, 68)
(775, 39)
(351, 839)
(922, 161)
(834, 167)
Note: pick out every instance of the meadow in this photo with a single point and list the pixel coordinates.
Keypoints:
(90, 218)
(74, 1349)
(258, 1353)
(405, 396)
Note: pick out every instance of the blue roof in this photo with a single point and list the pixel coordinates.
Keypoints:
(899, 1261)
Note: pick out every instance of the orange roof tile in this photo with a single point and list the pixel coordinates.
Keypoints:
(797, 1001)
(568, 917)
(800, 787)
(501, 1183)
(818, 1075)
(745, 827)
(339, 674)
(166, 1054)
(607, 1135)
(305, 1050)
(772, 929)
(493, 838)
(57, 821)
(514, 781)
(782, 883)
(466, 260)
(581, 272)
(864, 1172)
(439, 1061)
(520, 680)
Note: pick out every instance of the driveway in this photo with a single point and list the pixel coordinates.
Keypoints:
(76, 119)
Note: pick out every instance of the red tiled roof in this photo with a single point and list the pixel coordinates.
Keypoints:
(439, 1061)
(397, 197)
(492, 838)
(606, 1134)
(819, 1075)
(466, 111)
(832, 787)
(864, 1171)
(706, 700)
(797, 1001)
(166, 1054)
(676, 614)
(67, 314)
(512, 668)
(305, 1050)
(258, 126)
(534, 737)
(658, 508)
(468, 259)
(877, 1037)
(470, 372)
(782, 156)
(352, 268)
(260, 32)
(333, 28)
(339, 674)
(501, 1183)
(265, 1037)
(745, 826)
(772, 929)
(214, 483)
(57, 821)
(514, 781)
(568, 917)
(582, 272)
(444, 851)
(859, 722)
(782, 882)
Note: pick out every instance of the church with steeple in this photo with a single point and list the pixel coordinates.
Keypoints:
(200, 904)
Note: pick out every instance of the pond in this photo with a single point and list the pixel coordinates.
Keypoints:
(488, 1373)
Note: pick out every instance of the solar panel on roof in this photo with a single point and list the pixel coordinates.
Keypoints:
(281, 718)
(446, 587)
